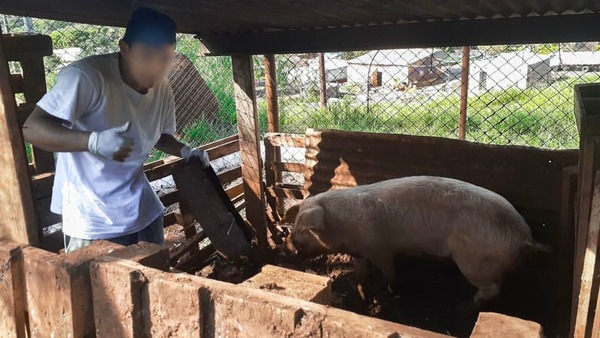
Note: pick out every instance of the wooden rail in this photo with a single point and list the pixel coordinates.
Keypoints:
(276, 190)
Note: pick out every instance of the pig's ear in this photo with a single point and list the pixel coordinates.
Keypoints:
(291, 213)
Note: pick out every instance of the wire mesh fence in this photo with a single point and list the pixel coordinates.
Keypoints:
(516, 94)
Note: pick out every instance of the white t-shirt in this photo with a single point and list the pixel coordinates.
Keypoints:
(100, 198)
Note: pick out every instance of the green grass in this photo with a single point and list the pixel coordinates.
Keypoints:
(539, 117)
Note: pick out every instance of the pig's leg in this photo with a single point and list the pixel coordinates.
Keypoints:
(385, 263)
(485, 273)
(361, 271)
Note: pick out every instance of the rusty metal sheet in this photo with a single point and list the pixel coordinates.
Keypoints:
(202, 191)
(233, 16)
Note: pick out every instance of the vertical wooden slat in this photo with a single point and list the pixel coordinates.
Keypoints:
(34, 88)
(584, 194)
(271, 93)
(185, 217)
(247, 118)
(589, 264)
(272, 175)
(464, 93)
(16, 202)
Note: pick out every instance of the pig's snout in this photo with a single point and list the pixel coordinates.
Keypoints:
(287, 247)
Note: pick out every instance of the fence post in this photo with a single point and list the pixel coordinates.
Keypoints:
(247, 117)
(322, 80)
(273, 175)
(464, 93)
(16, 201)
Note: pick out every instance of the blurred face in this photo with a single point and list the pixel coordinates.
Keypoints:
(147, 65)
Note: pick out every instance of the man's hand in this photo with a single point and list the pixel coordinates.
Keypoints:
(111, 143)
(188, 153)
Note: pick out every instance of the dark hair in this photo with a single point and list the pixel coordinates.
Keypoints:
(150, 27)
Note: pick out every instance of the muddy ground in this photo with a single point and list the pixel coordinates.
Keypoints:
(429, 297)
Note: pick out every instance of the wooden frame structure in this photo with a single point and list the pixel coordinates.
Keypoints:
(246, 28)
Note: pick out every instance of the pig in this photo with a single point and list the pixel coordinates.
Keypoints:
(418, 215)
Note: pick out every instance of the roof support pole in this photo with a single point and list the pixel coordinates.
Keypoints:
(247, 120)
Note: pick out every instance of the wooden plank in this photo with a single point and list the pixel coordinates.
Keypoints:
(196, 260)
(16, 83)
(585, 191)
(34, 88)
(286, 140)
(18, 221)
(165, 167)
(589, 263)
(530, 29)
(23, 112)
(170, 219)
(23, 46)
(240, 206)
(230, 175)
(185, 247)
(170, 198)
(566, 247)
(41, 185)
(297, 194)
(290, 167)
(223, 149)
(237, 199)
(247, 117)
(234, 191)
(212, 208)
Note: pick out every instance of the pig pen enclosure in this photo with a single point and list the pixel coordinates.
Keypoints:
(143, 290)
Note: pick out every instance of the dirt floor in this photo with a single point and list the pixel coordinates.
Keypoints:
(433, 295)
(429, 303)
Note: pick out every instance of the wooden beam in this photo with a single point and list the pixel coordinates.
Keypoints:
(18, 221)
(286, 140)
(247, 117)
(542, 29)
(24, 46)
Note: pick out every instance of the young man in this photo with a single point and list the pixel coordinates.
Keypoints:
(103, 117)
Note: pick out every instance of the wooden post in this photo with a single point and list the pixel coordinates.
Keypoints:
(34, 88)
(273, 175)
(322, 80)
(271, 92)
(464, 93)
(18, 221)
(247, 119)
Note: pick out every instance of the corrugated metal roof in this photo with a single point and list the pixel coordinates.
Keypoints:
(208, 17)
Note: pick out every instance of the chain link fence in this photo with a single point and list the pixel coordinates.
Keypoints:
(516, 94)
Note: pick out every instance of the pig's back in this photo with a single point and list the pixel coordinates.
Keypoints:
(430, 215)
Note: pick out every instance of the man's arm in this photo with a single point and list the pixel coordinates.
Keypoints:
(169, 144)
(47, 132)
